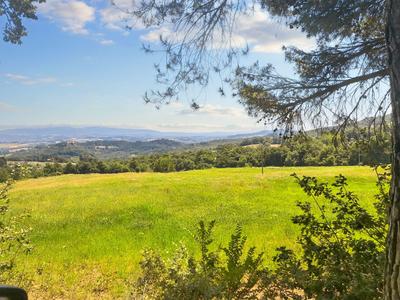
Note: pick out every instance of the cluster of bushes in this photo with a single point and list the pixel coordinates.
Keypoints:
(299, 150)
(14, 240)
(342, 255)
(18, 170)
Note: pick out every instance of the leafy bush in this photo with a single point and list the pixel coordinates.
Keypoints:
(13, 238)
(342, 245)
(226, 273)
(164, 164)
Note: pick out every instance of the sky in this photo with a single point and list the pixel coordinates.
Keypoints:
(79, 66)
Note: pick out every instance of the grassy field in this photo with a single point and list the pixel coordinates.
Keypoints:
(89, 230)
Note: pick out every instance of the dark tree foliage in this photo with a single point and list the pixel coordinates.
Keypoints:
(347, 70)
(13, 13)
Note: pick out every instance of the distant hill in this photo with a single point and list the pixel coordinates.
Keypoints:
(64, 133)
(366, 123)
(99, 149)
(112, 149)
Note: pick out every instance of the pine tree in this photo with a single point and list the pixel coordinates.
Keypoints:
(355, 66)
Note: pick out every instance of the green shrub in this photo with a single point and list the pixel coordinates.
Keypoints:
(164, 164)
(13, 239)
(226, 273)
(342, 244)
(4, 174)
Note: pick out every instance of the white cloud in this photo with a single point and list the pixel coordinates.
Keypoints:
(215, 110)
(257, 30)
(266, 35)
(67, 84)
(72, 15)
(154, 35)
(117, 16)
(27, 80)
(113, 18)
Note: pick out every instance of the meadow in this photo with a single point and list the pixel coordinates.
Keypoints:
(88, 231)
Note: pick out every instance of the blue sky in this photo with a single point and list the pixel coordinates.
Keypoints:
(78, 66)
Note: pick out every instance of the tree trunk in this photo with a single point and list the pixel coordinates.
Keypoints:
(392, 268)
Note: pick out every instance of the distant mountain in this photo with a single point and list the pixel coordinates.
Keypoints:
(64, 133)
(61, 133)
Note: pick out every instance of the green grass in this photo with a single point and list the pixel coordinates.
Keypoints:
(89, 230)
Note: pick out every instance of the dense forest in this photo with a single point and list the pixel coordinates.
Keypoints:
(361, 148)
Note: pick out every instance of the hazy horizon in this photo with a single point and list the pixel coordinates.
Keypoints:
(133, 127)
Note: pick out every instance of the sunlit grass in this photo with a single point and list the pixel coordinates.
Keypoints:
(89, 230)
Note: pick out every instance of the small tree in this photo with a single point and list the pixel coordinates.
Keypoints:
(262, 152)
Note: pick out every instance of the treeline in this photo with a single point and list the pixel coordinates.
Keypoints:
(299, 150)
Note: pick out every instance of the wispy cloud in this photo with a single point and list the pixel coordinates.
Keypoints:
(67, 84)
(106, 42)
(27, 80)
(201, 127)
(72, 15)
(215, 110)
